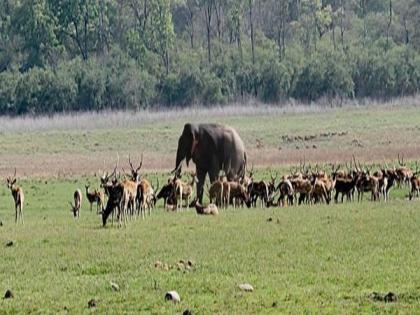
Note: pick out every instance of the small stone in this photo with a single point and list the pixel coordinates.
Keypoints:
(270, 220)
(92, 303)
(9, 295)
(246, 287)
(114, 286)
(180, 266)
(274, 304)
(10, 244)
(172, 296)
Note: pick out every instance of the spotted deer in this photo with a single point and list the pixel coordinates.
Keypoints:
(18, 196)
(183, 191)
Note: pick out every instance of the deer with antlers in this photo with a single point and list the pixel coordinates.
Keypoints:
(18, 196)
(123, 196)
(144, 196)
(403, 172)
(77, 198)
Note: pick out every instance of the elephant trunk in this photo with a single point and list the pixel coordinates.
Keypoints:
(178, 163)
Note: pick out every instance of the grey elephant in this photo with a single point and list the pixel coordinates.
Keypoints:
(212, 148)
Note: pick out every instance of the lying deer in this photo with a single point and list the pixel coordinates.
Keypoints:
(17, 193)
(210, 209)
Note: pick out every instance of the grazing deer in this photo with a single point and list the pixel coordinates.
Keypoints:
(286, 192)
(258, 190)
(238, 194)
(18, 197)
(210, 209)
(165, 192)
(77, 197)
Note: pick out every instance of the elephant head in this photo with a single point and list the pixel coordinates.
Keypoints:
(187, 144)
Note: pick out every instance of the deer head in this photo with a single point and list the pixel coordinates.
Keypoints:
(135, 171)
(11, 181)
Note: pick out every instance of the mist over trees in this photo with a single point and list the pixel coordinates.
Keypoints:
(65, 55)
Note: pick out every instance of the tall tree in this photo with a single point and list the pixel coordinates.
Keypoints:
(78, 20)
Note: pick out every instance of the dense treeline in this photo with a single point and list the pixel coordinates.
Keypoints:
(60, 55)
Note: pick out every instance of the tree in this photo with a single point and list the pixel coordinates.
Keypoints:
(37, 25)
(78, 20)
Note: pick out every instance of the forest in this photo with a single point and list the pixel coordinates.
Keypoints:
(89, 55)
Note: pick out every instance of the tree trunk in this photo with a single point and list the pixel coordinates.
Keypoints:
(251, 23)
(389, 24)
(208, 16)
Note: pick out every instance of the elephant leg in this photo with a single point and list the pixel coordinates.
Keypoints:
(201, 177)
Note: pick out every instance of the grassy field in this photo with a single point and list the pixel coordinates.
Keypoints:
(271, 136)
(307, 259)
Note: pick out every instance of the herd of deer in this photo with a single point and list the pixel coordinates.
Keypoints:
(130, 195)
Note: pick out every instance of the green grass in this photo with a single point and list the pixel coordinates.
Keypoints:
(308, 259)
(373, 127)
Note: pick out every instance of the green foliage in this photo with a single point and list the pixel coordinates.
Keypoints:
(97, 54)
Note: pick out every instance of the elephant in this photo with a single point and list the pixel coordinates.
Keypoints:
(212, 148)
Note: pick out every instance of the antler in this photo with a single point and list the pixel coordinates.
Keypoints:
(157, 183)
(131, 164)
(251, 173)
(400, 160)
(141, 163)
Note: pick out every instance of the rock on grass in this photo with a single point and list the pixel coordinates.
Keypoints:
(246, 287)
(172, 296)
(9, 295)
(114, 286)
(92, 303)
